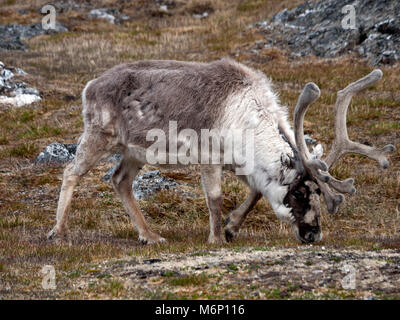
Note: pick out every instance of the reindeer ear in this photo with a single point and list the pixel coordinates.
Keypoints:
(318, 151)
(287, 161)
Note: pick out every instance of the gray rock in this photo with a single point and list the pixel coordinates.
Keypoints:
(151, 182)
(103, 13)
(6, 74)
(109, 173)
(15, 93)
(19, 100)
(259, 44)
(60, 152)
(309, 139)
(20, 71)
(151, 261)
(316, 28)
(13, 35)
(116, 158)
(113, 16)
(32, 91)
(123, 17)
(204, 15)
(68, 5)
(57, 153)
(147, 184)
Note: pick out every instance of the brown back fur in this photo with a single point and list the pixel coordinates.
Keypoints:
(145, 95)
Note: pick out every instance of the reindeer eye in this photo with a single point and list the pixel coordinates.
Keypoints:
(298, 195)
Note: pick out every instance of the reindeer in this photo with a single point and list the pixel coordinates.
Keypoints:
(127, 101)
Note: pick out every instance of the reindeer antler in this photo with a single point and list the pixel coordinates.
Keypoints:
(341, 144)
(310, 93)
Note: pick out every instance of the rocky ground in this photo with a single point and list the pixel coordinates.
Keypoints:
(15, 92)
(265, 272)
(316, 28)
(252, 273)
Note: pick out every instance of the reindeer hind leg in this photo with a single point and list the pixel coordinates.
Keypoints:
(89, 151)
(122, 182)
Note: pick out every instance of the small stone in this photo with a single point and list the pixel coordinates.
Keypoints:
(124, 17)
(309, 140)
(201, 16)
(151, 261)
(20, 71)
(102, 13)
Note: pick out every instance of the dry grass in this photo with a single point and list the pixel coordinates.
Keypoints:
(61, 64)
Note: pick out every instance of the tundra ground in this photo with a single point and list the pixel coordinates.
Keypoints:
(103, 258)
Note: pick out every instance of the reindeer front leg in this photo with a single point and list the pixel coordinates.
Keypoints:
(211, 180)
(237, 216)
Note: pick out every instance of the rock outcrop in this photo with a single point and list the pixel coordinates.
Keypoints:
(15, 93)
(317, 28)
(12, 36)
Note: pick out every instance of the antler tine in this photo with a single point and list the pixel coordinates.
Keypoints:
(310, 93)
(332, 200)
(342, 144)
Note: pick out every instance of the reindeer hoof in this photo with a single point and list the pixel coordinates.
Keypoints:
(229, 235)
(227, 220)
(151, 239)
(216, 240)
(55, 235)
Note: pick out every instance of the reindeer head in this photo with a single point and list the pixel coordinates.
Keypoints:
(313, 177)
